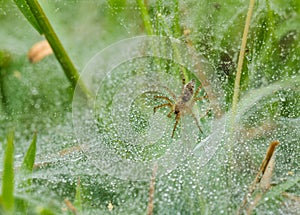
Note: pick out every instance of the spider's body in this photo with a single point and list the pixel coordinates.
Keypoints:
(185, 99)
(183, 104)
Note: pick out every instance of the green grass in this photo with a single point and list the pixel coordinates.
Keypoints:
(36, 16)
(7, 197)
(42, 161)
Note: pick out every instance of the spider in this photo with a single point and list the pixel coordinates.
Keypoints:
(183, 104)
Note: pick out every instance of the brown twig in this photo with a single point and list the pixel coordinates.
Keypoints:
(262, 174)
(152, 190)
(70, 206)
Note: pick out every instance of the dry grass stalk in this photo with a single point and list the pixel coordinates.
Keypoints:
(264, 185)
(70, 206)
(265, 182)
(263, 179)
(254, 203)
(152, 190)
(241, 59)
(110, 206)
(266, 161)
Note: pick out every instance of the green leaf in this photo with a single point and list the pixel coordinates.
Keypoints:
(45, 211)
(29, 158)
(8, 176)
(24, 8)
(78, 202)
(279, 189)
(1, 203)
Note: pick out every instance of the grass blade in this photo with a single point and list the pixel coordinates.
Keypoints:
(58, 49)
(176, 23)
(28, 162)
(8, 176)
(145, 17)
(24, 8)
(280, 188)
(29, 158)
(78, 201)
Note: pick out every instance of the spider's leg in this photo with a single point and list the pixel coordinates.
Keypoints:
(169, 114)
(177, 119)
(163, 97)
(162, 105)
(196, 93)
(197, 122)
(182, 81)
(200, 98)
(198, 90)
(170, 92)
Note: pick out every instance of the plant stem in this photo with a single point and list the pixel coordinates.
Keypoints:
(271, 20)
(240, 62)
(145, 17)
(176, 23)
(58, 49)
(237, 89)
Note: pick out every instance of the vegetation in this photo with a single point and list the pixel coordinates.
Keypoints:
(246, 160)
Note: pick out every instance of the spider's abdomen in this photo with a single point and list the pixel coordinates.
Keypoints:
(188, 91)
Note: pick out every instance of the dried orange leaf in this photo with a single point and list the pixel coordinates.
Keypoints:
(39, 51)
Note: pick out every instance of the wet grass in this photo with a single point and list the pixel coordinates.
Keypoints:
(53, 175)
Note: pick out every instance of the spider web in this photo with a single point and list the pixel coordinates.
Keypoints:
(127, 148)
